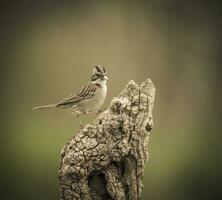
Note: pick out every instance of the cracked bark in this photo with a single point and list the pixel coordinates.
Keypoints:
(106, 159)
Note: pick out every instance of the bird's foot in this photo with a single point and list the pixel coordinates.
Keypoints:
(101, 110)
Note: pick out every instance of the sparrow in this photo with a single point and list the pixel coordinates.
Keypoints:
(88, 99)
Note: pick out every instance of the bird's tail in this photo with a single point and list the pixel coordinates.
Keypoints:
(46, 106)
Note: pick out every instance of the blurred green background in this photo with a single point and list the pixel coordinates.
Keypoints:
(48, 49)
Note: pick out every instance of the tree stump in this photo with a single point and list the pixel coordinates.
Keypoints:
(106, 159)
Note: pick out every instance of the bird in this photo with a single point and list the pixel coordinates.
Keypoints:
(88, 99)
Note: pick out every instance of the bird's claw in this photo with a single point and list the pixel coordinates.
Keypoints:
(101, 110)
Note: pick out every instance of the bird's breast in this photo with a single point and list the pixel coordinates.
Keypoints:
(100, 96)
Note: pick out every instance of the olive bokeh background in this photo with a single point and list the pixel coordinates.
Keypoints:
(48, 49)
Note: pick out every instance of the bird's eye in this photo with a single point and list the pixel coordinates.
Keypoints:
(99, 75)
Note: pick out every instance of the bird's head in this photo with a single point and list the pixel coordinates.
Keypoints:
(99, 74)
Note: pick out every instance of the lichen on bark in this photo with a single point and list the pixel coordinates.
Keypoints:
(106, 159)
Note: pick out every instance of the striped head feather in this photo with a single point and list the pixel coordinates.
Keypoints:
(99, 72)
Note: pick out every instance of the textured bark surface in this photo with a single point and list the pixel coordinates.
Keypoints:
(106, 159)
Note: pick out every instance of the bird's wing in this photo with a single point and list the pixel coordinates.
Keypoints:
(86, 92)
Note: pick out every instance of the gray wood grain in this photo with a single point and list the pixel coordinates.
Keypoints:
(106, 159)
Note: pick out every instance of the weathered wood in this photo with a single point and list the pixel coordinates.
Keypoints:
(106, 159)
